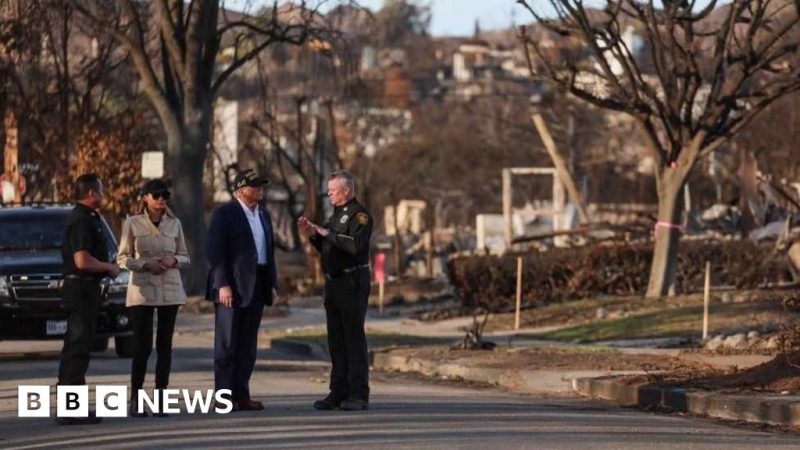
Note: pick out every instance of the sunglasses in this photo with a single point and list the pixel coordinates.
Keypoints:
(159, 195)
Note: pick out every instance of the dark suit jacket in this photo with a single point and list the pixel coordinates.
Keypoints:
(232, 254)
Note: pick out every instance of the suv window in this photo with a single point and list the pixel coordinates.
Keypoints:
(31, 232)
(38, 231)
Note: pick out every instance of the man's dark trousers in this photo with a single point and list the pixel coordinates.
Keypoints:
(236, 340)
(81, 298)
(346, 308)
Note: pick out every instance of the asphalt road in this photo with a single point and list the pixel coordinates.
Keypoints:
(405, 412)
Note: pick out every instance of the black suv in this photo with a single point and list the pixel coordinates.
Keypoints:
(31, 277)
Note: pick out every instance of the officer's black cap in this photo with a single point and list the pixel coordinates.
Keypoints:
(250, 178)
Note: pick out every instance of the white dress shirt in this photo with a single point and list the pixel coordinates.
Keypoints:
(258, 232)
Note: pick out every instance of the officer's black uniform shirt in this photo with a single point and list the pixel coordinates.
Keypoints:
(84, 232)
(347, 244)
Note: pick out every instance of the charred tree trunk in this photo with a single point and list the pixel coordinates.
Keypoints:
(664, 266)
(186, 152)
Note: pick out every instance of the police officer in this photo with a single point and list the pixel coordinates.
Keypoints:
(344, 245)
(86, 257)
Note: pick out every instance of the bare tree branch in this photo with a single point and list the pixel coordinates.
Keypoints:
(706, 72)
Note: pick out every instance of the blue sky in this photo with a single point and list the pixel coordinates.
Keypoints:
(457, 17)
(450, 17)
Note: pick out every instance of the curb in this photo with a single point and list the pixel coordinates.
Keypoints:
(549, 382)
(303, 348)
(772, 410)
(498, 377)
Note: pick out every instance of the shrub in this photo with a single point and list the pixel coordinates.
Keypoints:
(569, 274)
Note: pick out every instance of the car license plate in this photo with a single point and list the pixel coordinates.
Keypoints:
(55, 327)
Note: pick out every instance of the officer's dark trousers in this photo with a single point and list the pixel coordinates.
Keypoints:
(346, 308)
(236, 340)
(81, 298)
(142, 321)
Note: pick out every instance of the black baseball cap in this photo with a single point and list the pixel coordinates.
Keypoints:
(155, 186)
(250, 178)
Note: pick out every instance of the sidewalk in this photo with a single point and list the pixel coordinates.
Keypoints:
(550, 382)
(770, 409)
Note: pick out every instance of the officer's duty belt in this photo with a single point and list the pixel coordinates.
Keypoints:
(347, 271)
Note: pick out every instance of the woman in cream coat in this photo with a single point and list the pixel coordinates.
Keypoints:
(152, 248)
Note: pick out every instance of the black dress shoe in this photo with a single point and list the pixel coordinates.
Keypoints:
(134, 412)
(328, 403)
(133, 405)
(354, 405)
(245, 404)
(220, 405)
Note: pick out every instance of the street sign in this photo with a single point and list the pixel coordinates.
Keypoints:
(152, 165)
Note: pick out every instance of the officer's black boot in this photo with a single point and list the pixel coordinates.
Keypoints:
(91, 420)
(328, 403)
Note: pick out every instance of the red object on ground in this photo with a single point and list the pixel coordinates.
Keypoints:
(380, 273)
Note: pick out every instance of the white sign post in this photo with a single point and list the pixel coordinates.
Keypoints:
(519, 294)
(152, 165)
(706, 299)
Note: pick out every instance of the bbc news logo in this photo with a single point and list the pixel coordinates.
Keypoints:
(112, 401)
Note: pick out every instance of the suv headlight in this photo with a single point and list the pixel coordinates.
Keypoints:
(4, 290)
(119, 284)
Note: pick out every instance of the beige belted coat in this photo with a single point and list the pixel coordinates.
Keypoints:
(142, 242)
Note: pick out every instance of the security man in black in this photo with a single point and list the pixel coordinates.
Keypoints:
(344, 246)
(85, 254)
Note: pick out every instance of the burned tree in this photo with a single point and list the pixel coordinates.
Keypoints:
(58, 85)
(708, 69)
(175, 47)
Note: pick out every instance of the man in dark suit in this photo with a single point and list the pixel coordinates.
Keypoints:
(242, 280)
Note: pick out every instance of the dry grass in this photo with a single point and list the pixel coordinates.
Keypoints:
(636, 317)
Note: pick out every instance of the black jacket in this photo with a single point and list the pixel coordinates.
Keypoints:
(347, 244)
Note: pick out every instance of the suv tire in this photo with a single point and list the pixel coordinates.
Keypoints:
(124, 346)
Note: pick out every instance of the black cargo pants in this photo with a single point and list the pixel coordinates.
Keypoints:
(346, 299)
(81, 299)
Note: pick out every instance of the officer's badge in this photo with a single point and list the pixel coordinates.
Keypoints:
(362, 218)
(344, 219)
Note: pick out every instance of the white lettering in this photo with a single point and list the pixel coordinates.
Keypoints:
(198, 400)
(72, 401)
(111, 401)
(221, 396)
(151, 402)
(33, 401)
(171, 397)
